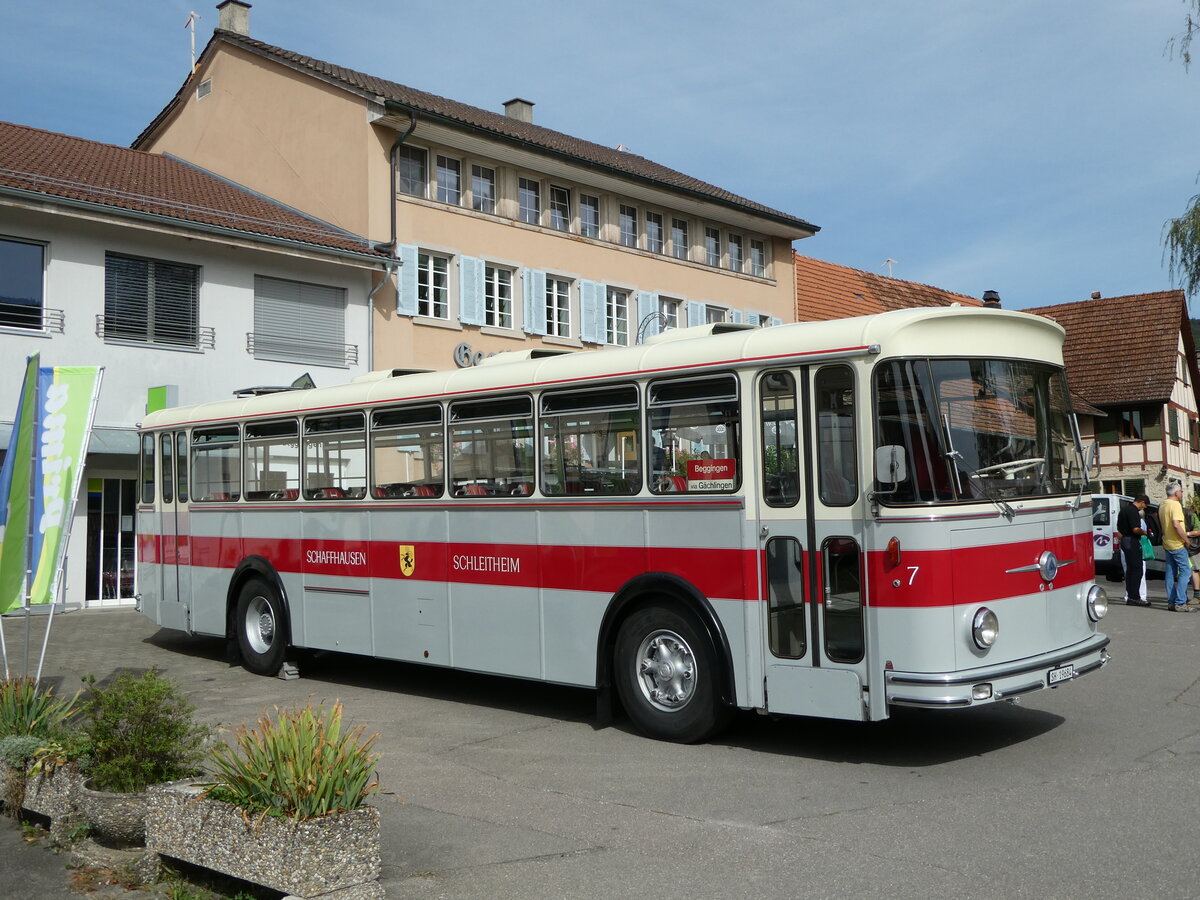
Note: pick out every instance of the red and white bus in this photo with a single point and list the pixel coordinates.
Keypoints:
(822, 519)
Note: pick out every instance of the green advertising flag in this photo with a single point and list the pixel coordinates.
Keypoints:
(66, 401)
(14, 494)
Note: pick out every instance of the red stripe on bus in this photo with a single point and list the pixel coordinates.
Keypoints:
(923, 579)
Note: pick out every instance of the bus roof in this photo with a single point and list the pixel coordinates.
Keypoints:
(943, 331)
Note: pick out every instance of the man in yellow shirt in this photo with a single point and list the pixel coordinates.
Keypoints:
(1175, 538)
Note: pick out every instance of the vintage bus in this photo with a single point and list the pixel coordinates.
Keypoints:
(820, 519)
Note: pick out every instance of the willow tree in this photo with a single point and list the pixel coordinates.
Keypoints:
(1182, 235)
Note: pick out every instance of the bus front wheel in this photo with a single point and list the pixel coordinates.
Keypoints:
(261, 626)
(666, 674)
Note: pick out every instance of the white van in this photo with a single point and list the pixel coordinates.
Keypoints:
(1106, 542)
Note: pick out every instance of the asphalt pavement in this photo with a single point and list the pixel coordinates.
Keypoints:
(501, 788)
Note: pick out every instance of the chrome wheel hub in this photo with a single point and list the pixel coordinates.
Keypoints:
(666, 670)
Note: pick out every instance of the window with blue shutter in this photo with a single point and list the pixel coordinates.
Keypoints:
(406, 297)
(696, 313)
(470, 290)
(591, 311)
(535, 301)
(647, 313)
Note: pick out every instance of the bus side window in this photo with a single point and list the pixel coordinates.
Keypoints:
(335, 457)
(491, 447)
(843, 599)
(407, 453)
(181, 468)
(693, 431)
(272, 460)
(216, 464)
(785, 598)
(780, 447)
(168, 478)
(837, 472)
(590, 441)
(146, 465)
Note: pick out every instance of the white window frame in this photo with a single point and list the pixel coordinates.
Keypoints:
(31, 317)
(498, 281)
(449, 172)
(589, 201)
(559, 208)
(558, 306)
(627, 238)
(478, 203)
(668, 308)
(712, 246)
(407, 150)
(656, 238)
(758, 257)
(736, 260)
(532, 187)
(433, 300)
(616, 300)
(680, 249)
(714, 314)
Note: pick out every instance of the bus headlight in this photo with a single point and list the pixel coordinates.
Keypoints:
(1097, 603)
(984, 628)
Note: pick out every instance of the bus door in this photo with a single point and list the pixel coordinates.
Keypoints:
(175, 568)
(810, 526)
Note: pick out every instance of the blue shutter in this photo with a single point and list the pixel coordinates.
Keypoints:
(406, 294)
(752, 318)
(775, 320)
(470, 290)
(695, 313)
(591, 311)
(647, 308)
(735, 316)
(535, 301)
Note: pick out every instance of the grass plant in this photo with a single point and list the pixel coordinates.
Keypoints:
(299, 764)
(26, 708)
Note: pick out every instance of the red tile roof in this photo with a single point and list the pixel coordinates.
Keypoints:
(1121, 350)
(123, 182)
(829, 291)
(498, 125)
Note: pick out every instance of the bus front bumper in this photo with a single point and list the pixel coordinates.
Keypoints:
(1003, 681)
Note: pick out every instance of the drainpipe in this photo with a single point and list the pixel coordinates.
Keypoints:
(393, 266)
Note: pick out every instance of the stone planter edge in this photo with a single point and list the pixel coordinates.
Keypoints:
(334, 856)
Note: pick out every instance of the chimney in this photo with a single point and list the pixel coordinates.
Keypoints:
(521, 110)
(991, 300)
(1095, 295)
(234, 16)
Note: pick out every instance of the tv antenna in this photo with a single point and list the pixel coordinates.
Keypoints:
(191, 24)
(888, 263)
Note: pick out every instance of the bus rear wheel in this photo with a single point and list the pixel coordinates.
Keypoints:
(666, 673)
(261, 627)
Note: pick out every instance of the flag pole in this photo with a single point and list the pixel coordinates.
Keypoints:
(27, 590)
(69, 519)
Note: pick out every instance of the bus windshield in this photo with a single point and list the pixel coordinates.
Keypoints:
(975, 429)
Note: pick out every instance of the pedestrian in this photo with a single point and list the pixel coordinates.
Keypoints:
(1131, 528)
(1175, 537)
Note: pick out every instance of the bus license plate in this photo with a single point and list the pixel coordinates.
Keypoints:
(1061, 674)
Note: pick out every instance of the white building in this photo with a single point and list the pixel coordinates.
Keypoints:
(183, 286)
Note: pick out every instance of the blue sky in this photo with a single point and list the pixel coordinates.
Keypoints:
(1033, 147)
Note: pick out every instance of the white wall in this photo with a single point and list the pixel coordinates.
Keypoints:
(75, 284)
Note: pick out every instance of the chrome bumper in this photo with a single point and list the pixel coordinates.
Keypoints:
(1006, 680)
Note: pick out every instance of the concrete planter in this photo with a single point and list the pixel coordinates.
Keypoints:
(334, 857)
(114, 820)
(55, 796)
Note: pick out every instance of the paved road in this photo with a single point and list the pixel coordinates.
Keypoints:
(508, 790)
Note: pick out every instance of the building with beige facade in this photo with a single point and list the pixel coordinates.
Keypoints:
(507, 235)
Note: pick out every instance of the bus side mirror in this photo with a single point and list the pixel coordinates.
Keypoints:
(1091, 456)
(891, 466)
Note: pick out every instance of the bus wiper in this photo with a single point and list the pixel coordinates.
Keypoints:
(955, 458)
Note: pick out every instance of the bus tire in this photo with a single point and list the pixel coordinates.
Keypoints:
(666, 673)
(260, 624)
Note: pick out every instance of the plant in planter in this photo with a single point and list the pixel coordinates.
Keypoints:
(285, 808)
(139, 730)
(30, 717)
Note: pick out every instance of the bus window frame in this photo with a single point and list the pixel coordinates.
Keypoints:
(309, 433)
(405, 490)
(660, 481)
